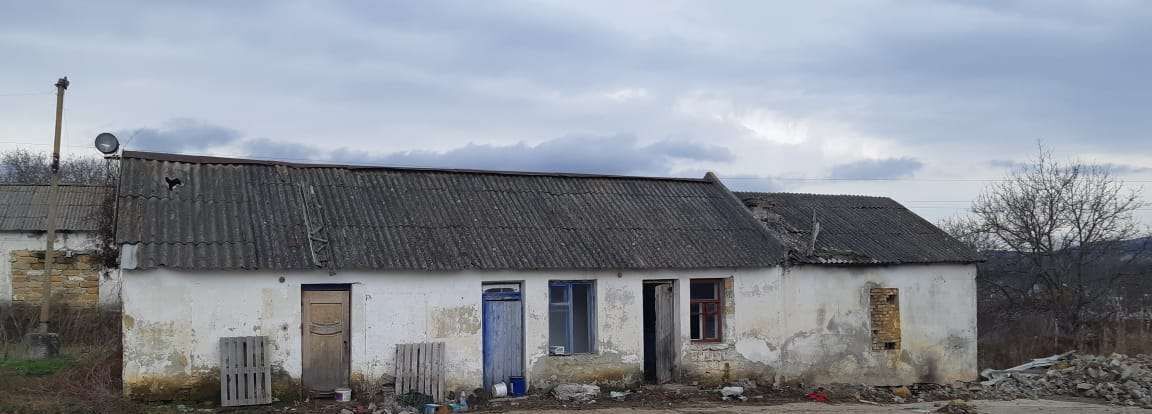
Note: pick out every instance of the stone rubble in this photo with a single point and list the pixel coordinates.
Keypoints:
(1117, 378)
(576, 392)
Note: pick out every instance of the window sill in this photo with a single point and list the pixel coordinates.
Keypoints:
(707, 341)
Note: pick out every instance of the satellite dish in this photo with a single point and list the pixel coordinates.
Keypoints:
(107, 143)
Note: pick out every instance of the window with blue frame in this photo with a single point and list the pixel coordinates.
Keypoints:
(571, 317)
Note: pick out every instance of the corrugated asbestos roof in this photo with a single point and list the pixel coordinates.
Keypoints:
(249, 214)
(855, 230)
(25, 207)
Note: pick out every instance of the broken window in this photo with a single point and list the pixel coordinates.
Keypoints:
(707, 309)
(885, 313)
(571, 317)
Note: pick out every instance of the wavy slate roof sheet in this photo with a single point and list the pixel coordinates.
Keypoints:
(25, 207)
(249, 214)
(855, 230)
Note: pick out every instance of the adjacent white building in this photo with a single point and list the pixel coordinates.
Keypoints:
(82, 278)
(553, 277)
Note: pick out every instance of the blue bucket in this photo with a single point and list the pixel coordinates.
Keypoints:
(519, 387)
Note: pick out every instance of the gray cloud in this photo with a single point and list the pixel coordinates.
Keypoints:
(179, 135)
(877, 169)
(615, 154)
(950, 82)
(1115, 168)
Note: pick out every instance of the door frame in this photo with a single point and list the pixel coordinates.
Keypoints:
(484, 327)
(347, 289)
(675, 323)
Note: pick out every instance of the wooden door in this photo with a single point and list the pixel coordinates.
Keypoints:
(503, 336)
(325, 350)
(665, 313)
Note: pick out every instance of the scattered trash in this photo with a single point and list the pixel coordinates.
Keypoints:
(902, 392)
(729, 393)
(619, 395)
(413, 399)
(820, 395)
(576, 392)
(500, 390)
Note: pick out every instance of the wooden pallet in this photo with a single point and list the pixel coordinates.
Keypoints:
(245, 371)
(420, 368)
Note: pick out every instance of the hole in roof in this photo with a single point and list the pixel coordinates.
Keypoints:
(173, 182)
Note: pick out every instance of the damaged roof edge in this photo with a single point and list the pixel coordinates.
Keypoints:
(747, 213)
(204, 159)
(869, 230)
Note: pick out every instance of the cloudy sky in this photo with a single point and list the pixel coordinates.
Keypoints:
(922, 101)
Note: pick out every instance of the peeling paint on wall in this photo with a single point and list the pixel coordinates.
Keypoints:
(453, 321)
(805, 323)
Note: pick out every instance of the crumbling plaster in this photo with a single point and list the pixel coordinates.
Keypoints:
(801, 323)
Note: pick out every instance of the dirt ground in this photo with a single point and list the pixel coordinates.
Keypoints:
(982, 407)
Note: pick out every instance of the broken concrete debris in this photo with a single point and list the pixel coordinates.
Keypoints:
(1117, 378)
(729, 393)
(576, 392)
(995, 376)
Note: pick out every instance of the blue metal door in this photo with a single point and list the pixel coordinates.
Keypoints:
(503, 335)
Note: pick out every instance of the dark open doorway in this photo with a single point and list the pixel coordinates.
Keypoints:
(659, 330)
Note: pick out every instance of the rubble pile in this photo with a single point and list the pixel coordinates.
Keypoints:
(576, 392)
(1117, 378)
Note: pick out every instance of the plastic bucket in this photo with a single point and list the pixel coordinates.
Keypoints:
(500, 390)
(518, 386)
(343, 394)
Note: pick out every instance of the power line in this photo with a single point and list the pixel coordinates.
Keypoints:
(43, 144)
(27, 93)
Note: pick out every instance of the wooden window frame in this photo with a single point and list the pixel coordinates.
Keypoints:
(592, 324)
(719, 301)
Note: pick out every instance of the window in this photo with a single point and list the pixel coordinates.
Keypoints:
(885, 315)
(571, 317)
(707, 309)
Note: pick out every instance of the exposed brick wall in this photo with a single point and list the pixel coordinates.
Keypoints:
(885, 312)
(75, 280)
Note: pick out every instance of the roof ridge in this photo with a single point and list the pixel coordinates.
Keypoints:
(205, 159)
(60, 185)
(769, 193)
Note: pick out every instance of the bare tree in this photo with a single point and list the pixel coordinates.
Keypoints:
(1068, 229)
(21, 166)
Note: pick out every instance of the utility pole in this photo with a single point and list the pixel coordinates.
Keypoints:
(45, 344)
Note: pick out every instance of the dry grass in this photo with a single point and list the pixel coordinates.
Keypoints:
(1004, 344)
(86, 379)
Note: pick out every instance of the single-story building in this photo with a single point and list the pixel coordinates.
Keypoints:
(558, 278)
(80, 275)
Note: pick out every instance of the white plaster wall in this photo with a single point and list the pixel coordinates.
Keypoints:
(805, 322)
(9, 241)
(812, 324)
(173, 319)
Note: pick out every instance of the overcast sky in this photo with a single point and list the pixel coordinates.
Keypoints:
(917, 100)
